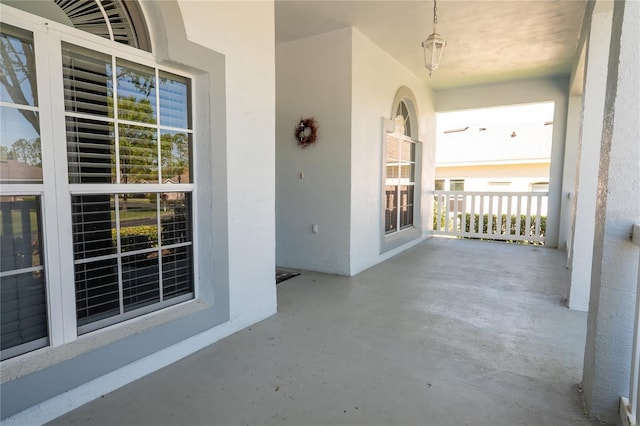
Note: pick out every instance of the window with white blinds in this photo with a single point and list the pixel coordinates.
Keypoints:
(99, 144)
(128, 135)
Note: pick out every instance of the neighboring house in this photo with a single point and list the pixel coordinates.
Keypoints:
(104, 301)
(12, 171)
(504, 149)
(515, 177)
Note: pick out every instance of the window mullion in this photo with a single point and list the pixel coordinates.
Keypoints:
(399, 182)
(159, 222)
(160, 181)
(116, 127)
(56, 206)
(116, 204)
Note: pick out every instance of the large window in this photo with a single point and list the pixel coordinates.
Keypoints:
(133, 244)
(124, 188)
(400, 174)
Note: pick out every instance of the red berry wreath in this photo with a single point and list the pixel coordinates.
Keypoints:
(306, 132)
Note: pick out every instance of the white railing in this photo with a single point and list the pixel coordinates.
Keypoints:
(629, 406)
(508, 216)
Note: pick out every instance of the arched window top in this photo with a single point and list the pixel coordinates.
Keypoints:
(405, 107)
(403, 119)
(117, 20)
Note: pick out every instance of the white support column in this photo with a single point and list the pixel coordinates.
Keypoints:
(589, 154)
(574, 117)
(615, 258)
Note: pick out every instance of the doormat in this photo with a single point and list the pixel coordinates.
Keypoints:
(282, 275)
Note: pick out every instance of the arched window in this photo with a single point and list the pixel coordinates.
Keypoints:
(96, 153)
(117, 20)
(400, 170)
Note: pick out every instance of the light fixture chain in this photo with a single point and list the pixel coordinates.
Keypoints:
(435, 12)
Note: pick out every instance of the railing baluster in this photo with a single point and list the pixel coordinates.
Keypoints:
(455, 213)
(463, 221)
(439, 211)
(518, 215)
(538, 218)
(481, 217)
(490, 215)
(446, 210)
(527, 219)
(499, 216)
(472, 215)
(508, 226)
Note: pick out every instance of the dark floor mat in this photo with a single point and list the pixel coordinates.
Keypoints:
(284, 275)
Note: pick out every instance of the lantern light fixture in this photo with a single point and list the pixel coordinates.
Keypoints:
(433, 45)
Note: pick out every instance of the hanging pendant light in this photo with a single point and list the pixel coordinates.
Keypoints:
(433, 45)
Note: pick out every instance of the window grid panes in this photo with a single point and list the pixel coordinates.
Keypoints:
(22, 276)
(132, 245)
(20, 150)
(400, 172)
(23, 296)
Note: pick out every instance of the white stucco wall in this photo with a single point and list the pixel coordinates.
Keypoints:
(250, 118)
(348, 84)
(314, 79)
(234, 169)
(376, 79)
(523, 92)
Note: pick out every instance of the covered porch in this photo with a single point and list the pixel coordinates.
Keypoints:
(449, 332)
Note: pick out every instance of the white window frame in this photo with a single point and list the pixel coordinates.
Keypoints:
(56, 216)
(392, 240)
(399, 181)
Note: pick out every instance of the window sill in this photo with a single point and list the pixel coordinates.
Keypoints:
(395, 240)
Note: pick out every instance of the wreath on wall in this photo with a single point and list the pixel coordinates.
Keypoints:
(306, 132)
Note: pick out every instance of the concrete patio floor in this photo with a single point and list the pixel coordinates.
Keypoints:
(450, 332)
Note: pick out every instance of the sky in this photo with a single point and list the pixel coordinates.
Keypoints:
(14, 126)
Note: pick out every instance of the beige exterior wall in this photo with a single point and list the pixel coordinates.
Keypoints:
(503, 177)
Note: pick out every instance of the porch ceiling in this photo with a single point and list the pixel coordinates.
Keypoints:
(487, 41)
